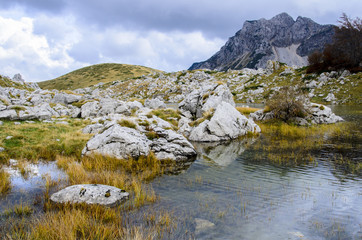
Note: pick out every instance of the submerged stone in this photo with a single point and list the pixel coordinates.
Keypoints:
(91, 194)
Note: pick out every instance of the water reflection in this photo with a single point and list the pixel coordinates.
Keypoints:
(222, 154)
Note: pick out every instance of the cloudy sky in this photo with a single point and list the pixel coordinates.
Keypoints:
(43, 39)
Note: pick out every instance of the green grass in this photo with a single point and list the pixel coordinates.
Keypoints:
(91, 75)
(32, 141)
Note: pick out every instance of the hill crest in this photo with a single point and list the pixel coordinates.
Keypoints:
(94, 74)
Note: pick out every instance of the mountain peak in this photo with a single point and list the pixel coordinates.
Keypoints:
(280, 39)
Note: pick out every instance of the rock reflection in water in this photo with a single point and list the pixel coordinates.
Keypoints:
(224, 153)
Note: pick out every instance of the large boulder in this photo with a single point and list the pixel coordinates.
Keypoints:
(90, 109)
(107, 106)
(227, 123)
(201, 100)
(8, 114)
(91, 194)
(65, 98)
(119, 142)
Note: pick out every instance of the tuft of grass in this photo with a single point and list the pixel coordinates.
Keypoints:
(152, 135)
(247, 110)
(206, 116)
(127, 123)
(5, 183)
(19, 211)
(170, 115)
(18, 108)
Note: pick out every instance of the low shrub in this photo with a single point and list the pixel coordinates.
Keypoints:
(287, 103)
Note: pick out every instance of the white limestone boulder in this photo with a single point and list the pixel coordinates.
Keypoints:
(91, 194)
(227, 123)
(154, 103)
(119, 142)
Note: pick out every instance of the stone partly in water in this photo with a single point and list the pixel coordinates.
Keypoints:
(91, 194)
(202, 225)
(226, 124)
(123, 142)
(317, 114)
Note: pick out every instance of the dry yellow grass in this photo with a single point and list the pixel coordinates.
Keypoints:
(5, 184)
(247, 110)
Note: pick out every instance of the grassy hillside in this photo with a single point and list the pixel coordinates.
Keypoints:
(88, 76)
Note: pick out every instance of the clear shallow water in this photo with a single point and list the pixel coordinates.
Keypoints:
(249, 199)
(24, 189)
(260, 201)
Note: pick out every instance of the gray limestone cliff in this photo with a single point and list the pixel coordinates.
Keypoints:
(280, 39)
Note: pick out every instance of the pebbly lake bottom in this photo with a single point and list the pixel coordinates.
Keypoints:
(229, 193)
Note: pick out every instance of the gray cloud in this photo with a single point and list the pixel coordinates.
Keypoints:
(62, 35)
(213, 18)
(37, 5)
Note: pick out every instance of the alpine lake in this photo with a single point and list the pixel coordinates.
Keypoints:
(239, 190)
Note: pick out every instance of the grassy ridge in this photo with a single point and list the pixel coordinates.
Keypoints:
(91, 75)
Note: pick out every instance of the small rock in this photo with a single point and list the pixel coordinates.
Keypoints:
(203, 225)
(91, 194)
(154, 103)
(9, 137)
(330, 97)
(2, 149)
(17, 123)
(1, 123)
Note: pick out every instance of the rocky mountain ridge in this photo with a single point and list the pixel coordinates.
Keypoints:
(280, 39)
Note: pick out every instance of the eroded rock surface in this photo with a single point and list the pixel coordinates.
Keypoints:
(91, 194)
(226, 124)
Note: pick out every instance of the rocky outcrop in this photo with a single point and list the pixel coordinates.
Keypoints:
(316, 114)
(91, 194)
(279, 39)
(208, 97)
(121, 142)
(225, 124)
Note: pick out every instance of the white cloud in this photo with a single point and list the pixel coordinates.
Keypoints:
(21, 50)
(44, 47)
